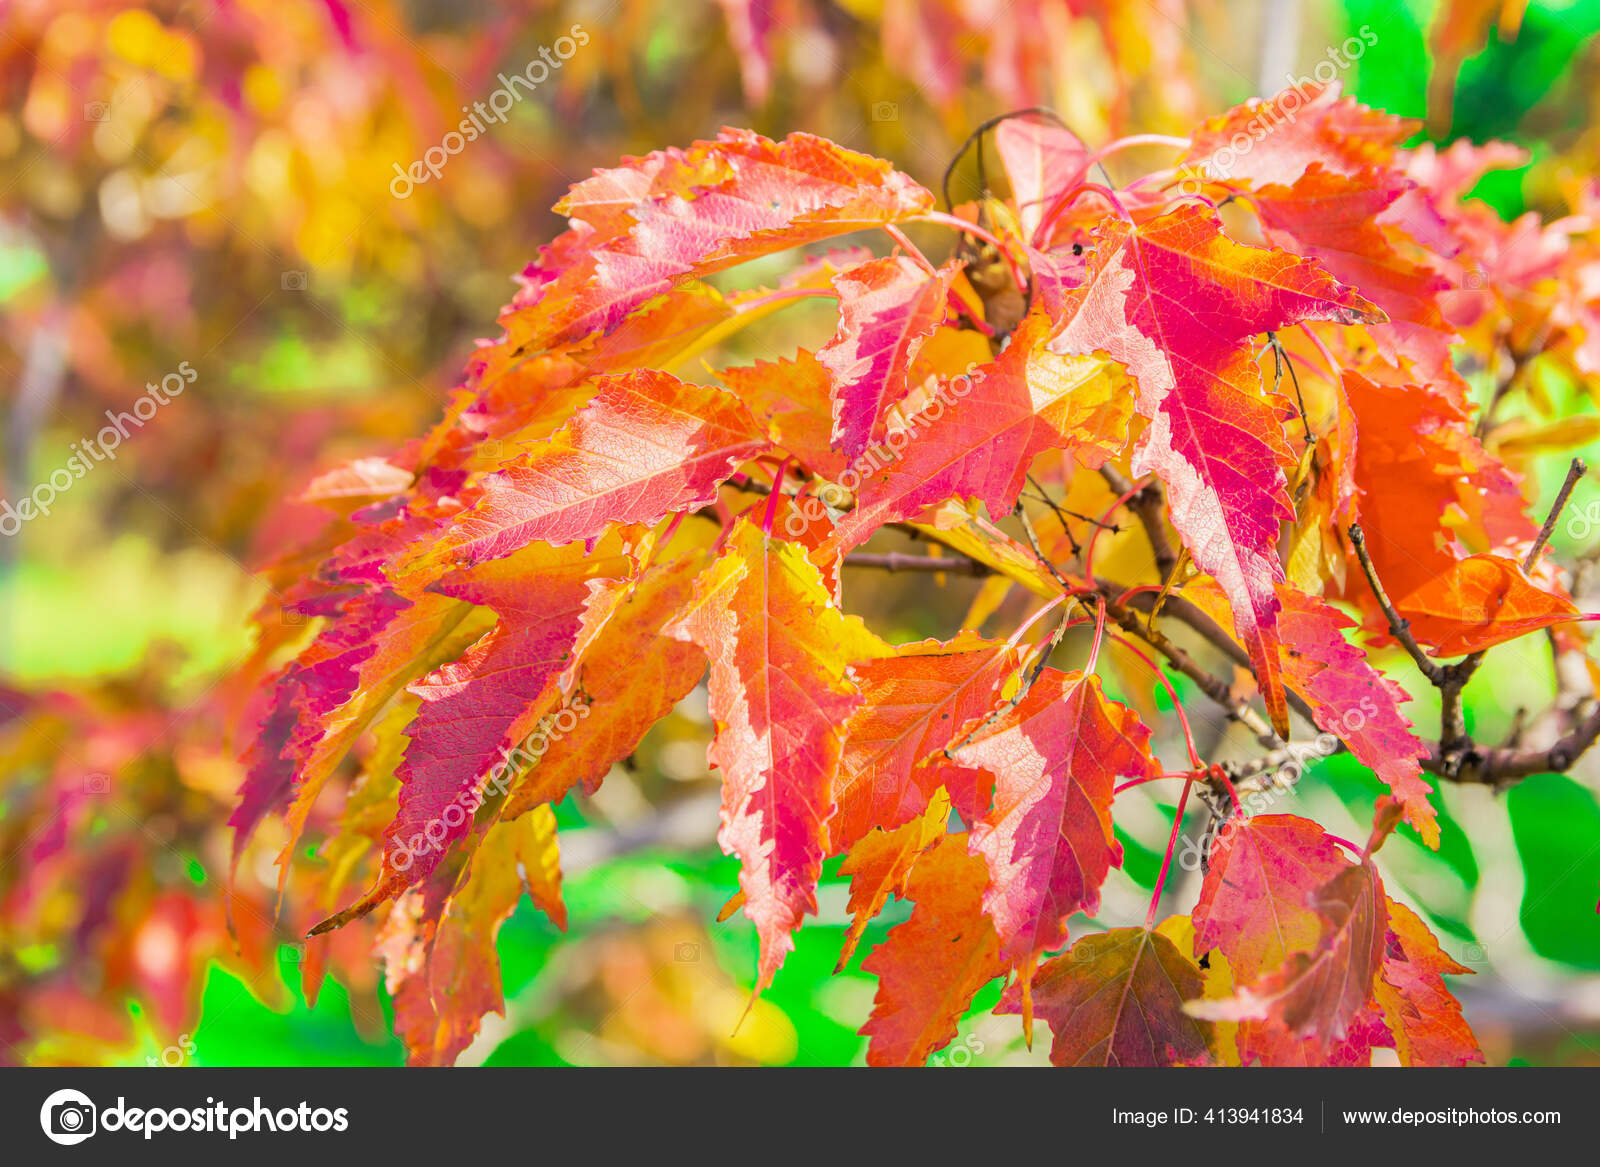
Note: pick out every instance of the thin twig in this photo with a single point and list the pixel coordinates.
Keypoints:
(1148, 505)
(1211, 685)
(1520, 363)
(1453, 734)
(1038, 551)
(1574, 472)
(1043, 497)
(1061, 515)
(977, 136)
(901, 561)
(1398, 627)
(1280, 358)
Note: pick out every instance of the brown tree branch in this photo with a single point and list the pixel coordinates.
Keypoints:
(1149, 505)
(1506, 765)
(1454, 758)
(903, 561)
(1126, 616)
(1452, 720)
(1399, 628)
(1574, 473)
(1237, 709)
(1038, 551)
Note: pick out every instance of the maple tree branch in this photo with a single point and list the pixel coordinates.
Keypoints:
(1038, 551)
(1453, 734)
(1248, 775)
(1127, 616)
(1398, 626)
(1506, 765)
(976, 136)
(1521, 361)
(1459, 761)
(1060, 512)
(1500, 766)
(904, 561)
(1575, 472)
(1456, 757)
(1214, 687)
(1148, 504)
(1471, 766)
(1042, 495)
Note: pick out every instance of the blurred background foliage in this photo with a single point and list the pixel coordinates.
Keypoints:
(210, 181)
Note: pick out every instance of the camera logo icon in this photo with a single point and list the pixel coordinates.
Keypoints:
(68, 1117)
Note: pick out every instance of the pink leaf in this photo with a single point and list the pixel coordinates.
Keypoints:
(887, 309)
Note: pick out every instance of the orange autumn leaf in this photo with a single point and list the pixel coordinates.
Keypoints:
(1425, 1019)
(880, 865)
(914, 1014)
(914, 704)
(779, 649)
(1422, 435)
(1482, 601)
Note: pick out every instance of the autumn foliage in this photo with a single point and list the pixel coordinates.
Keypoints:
(1218, 407)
